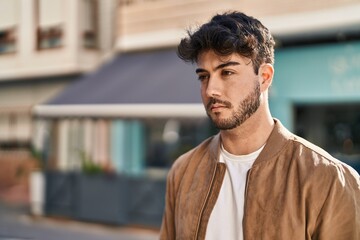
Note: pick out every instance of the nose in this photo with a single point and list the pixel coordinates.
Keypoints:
(213, 88)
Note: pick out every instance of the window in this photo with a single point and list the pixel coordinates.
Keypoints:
(50, 24)
(7, 41)
(127, 146)
(8, 25)
(15, 130)
(168, 139)
(336, 128)
(90, 23)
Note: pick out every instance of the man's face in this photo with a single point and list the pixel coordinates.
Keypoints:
(230, 89)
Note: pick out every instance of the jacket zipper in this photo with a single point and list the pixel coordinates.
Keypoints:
(247, 183)
(245, 197)
(203, 206)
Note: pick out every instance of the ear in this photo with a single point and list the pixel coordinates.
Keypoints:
(266, 74)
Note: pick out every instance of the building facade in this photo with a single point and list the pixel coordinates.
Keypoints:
(44, 46)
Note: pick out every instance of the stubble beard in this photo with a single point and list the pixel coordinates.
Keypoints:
(244, 110)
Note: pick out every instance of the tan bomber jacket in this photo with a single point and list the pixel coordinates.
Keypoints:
(294, 191)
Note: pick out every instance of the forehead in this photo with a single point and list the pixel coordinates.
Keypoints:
(211, 59)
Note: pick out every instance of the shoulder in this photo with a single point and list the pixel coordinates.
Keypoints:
(324, 181)
(193, 156)
(320, 164)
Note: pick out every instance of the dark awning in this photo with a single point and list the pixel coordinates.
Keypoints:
(146, 77)
(131, 81)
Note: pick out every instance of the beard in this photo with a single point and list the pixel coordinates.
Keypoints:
(244, 110)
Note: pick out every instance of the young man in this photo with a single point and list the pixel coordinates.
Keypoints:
(255, 179)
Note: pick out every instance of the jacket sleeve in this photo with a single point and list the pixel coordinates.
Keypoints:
(339, 217)
(167, 231)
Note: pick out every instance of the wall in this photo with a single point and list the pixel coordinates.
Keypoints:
(153, 24)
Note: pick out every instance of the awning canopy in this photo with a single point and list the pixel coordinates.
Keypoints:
(153, 83)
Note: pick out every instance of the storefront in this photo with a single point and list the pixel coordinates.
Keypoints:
(108, 140)
(139, 111)
(316, 94)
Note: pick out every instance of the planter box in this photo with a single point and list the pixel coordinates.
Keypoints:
(60, 194)
(106, 199)
(147, 201)
(102, 198)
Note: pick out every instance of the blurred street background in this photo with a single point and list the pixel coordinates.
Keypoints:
(16, 224)
(95, 106)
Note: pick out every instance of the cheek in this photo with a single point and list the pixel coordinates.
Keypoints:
(202, 89)
(203, 93)
(204, 97)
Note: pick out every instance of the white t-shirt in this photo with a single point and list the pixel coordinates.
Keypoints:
(226, 218)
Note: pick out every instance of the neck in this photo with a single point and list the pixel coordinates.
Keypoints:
(249, 136)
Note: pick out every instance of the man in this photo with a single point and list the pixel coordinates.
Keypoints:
(255, 179)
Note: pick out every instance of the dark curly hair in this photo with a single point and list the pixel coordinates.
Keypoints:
(231, 32)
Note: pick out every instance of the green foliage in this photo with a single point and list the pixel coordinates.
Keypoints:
(89, 166)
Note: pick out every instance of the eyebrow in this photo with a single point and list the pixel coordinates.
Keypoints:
(223, 65)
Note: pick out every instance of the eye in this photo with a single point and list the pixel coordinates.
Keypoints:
(203, 77)
(227, 73)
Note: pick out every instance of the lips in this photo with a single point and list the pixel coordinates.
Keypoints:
(215, 104)
(216, 107)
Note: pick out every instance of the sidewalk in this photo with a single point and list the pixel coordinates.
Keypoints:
(125, 232)
(16, 220)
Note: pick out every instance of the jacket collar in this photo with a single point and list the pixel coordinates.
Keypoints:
(276, 141)
(214, 149)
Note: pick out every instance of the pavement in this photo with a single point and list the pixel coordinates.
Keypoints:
(16, 223)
